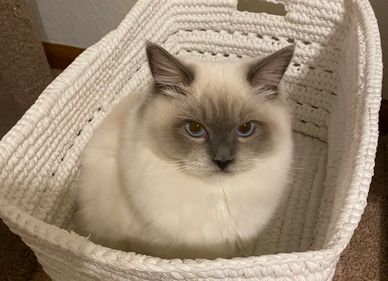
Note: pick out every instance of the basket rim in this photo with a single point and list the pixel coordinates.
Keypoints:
(58, 237)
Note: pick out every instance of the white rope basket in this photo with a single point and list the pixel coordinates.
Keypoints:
(334, 85)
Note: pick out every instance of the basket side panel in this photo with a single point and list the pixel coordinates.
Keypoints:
(354, 131)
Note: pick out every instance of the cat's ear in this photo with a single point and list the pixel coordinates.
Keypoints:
(167, 70)
(267, 72)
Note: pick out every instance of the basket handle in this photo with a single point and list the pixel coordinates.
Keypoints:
(262, 6)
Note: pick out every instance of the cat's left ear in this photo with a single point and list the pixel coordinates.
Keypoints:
(167, 70)
(267, 72)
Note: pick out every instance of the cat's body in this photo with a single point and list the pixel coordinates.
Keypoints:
(148, 187)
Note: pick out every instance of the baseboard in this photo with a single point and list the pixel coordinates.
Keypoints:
(60, 56)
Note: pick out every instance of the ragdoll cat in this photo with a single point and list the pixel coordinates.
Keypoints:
(195, 166)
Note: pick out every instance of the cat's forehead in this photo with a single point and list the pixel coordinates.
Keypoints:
(220, 93)
(213, 76)
(219, 103)
(217, 107)
(223, 91)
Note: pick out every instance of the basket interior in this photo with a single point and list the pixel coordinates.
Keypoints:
(38, 176)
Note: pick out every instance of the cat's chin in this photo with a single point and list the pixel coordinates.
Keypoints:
(228, 172)
(215, 173)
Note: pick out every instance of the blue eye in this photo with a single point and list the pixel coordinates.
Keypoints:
(195, 129)
(245, 130)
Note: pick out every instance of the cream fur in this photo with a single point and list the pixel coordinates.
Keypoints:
(132, 199)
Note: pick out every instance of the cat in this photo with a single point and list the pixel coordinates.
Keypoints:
(193, 167)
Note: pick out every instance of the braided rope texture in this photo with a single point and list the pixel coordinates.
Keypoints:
(334, 87)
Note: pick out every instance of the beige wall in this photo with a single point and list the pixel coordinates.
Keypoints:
(79, 23)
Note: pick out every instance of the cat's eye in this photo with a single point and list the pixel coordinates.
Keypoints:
(246, 129)
(195, 129)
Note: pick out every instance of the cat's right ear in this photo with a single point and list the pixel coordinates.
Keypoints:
(265, 74)
(168, 71)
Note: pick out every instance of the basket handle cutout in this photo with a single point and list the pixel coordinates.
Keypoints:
(260, 6)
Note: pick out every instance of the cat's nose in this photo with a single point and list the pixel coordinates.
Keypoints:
(222, 164)
(223, 155)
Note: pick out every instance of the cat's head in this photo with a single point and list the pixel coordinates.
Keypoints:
(216, 118)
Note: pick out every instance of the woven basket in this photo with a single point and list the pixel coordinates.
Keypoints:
(334, 85)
